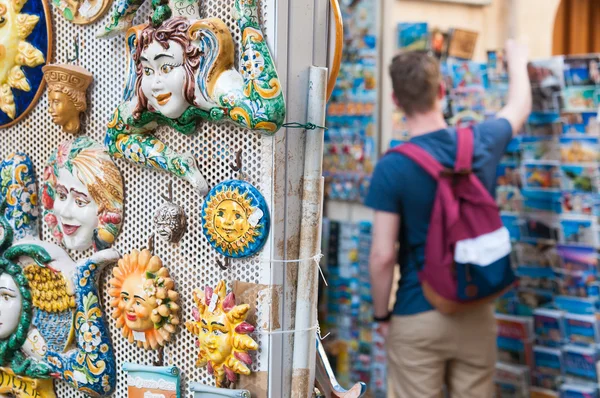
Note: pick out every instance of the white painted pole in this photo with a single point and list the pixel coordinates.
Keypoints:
(303, 374)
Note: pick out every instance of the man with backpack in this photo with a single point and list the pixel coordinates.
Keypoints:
(435, 197)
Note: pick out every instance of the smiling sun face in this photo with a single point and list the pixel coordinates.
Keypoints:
(15, 52)
(222, 332)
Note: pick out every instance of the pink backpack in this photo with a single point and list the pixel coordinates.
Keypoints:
(467, 252)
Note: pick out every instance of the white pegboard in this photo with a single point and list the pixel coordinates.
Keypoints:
(192, 261)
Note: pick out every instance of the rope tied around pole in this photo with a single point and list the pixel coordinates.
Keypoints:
(306, 126)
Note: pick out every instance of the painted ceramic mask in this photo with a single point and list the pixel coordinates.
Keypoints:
(152, 381)
(25, 41)
(181, 71)
(66, 94)
(82, 12)
(222, 332)
(52, 322)
(18, 188)
(235, 219)
(170, 222)
(145, 304)
(82, 195)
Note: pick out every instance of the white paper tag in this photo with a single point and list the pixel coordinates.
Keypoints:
(213, 302)
(255, 217)
(139, 336)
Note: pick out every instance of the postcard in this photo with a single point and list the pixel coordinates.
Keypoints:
(547, 82)
(580, 203)
(580, 361)
(540, 254)
(541, 175)
(462, 43)
(580, 99)
(544, 147)
(578, 258)
(578, 149)
(582, 70)
(413, 36)
(549, 327)
(578, 230)
(580, 178)
(467, 74)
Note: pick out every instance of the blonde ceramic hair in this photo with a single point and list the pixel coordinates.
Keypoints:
(97, 171)
(158, 288)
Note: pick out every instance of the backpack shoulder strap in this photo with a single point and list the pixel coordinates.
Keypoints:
(464, 149)
(421, 157)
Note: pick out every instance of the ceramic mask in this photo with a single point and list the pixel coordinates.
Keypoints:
(82, 195)
(52, 324)
(181, 70)
(18, 188)
(82, 12)
(152, 381)
(11, 304)
(67, 85)
(145, 305)
(235, 219)
(222, 332)
(25, 42)
(170, 222)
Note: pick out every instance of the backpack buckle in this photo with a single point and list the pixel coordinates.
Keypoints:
(454, 174)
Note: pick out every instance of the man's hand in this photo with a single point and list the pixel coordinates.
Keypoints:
(517, 54)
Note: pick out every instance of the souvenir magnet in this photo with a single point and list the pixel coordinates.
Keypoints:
(152, 381)
(170, 221)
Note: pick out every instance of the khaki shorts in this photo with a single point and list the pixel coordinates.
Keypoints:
(429, 350)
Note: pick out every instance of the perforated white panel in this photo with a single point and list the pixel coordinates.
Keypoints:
(192, 261)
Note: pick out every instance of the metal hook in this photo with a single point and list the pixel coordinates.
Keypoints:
(76, 46)
(170, 191)
(238, 161)
(151, 244)
(160, 360)
(224, 265)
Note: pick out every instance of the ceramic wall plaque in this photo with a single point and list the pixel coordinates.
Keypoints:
(82, 12)
(67, 85)
(152, 381)
(52, 322)
(235, 219)
(19, 189)
(203, 391)
(222, 332)
(144, 301)
(26, 43)
(181, 71)
(82, 195)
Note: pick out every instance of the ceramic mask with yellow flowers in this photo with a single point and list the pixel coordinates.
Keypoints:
(222, 332)
(51, 322)
(145, 304)
(25, 45)
(235, 219)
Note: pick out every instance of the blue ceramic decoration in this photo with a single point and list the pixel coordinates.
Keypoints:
(152, 381)
(235, 219)
(26, 42)
(19, 190)
(52, 323)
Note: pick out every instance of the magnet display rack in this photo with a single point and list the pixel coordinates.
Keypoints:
(192, 262)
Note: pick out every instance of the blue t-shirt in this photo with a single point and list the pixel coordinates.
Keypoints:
(400, 186)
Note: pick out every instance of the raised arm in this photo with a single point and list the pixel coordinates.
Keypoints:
(518, 105)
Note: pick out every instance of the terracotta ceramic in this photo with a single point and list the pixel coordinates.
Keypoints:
(67, 85)
(144, 301)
